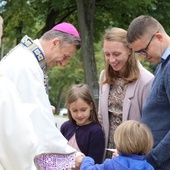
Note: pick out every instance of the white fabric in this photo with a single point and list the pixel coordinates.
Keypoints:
(16, 131)
(37, 134)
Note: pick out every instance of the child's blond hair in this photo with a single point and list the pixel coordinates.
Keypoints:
(132, 137)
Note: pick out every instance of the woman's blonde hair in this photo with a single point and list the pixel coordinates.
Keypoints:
(132, 71)
(132, 137)
(83, 92)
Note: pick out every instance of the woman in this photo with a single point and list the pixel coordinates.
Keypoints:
(124, 84)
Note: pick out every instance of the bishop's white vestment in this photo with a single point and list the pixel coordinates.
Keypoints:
(27, 123)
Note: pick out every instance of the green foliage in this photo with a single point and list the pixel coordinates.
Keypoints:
(62, 78)
(33, 17)
(99, 57)
(161, 11)
(19, 15)
(147, 65)
(116, 13)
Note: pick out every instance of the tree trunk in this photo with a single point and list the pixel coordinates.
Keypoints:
(86, 19)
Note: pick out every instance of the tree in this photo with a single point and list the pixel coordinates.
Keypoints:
(86, 11)
(61, 79)
(91, 17)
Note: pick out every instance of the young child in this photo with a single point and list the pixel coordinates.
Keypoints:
(83, 130)
(133, 140)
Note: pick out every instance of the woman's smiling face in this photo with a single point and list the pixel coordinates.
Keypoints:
(116, 54)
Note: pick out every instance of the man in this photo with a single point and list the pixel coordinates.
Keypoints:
(149, 39)
(30, 131)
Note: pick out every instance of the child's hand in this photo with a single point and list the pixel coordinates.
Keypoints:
(115, 154)
(78, 160)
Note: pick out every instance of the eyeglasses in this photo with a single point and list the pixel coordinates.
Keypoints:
(144, 51)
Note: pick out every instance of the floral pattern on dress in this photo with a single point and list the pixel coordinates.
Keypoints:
(115, 106)
(55, 162)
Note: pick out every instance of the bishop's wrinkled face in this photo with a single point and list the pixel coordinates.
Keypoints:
(61, 54)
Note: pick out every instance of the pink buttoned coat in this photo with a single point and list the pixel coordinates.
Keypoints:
(136, 94)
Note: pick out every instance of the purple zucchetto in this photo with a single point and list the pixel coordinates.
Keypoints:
(66, 28)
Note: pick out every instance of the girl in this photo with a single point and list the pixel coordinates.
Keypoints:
(83, 130)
